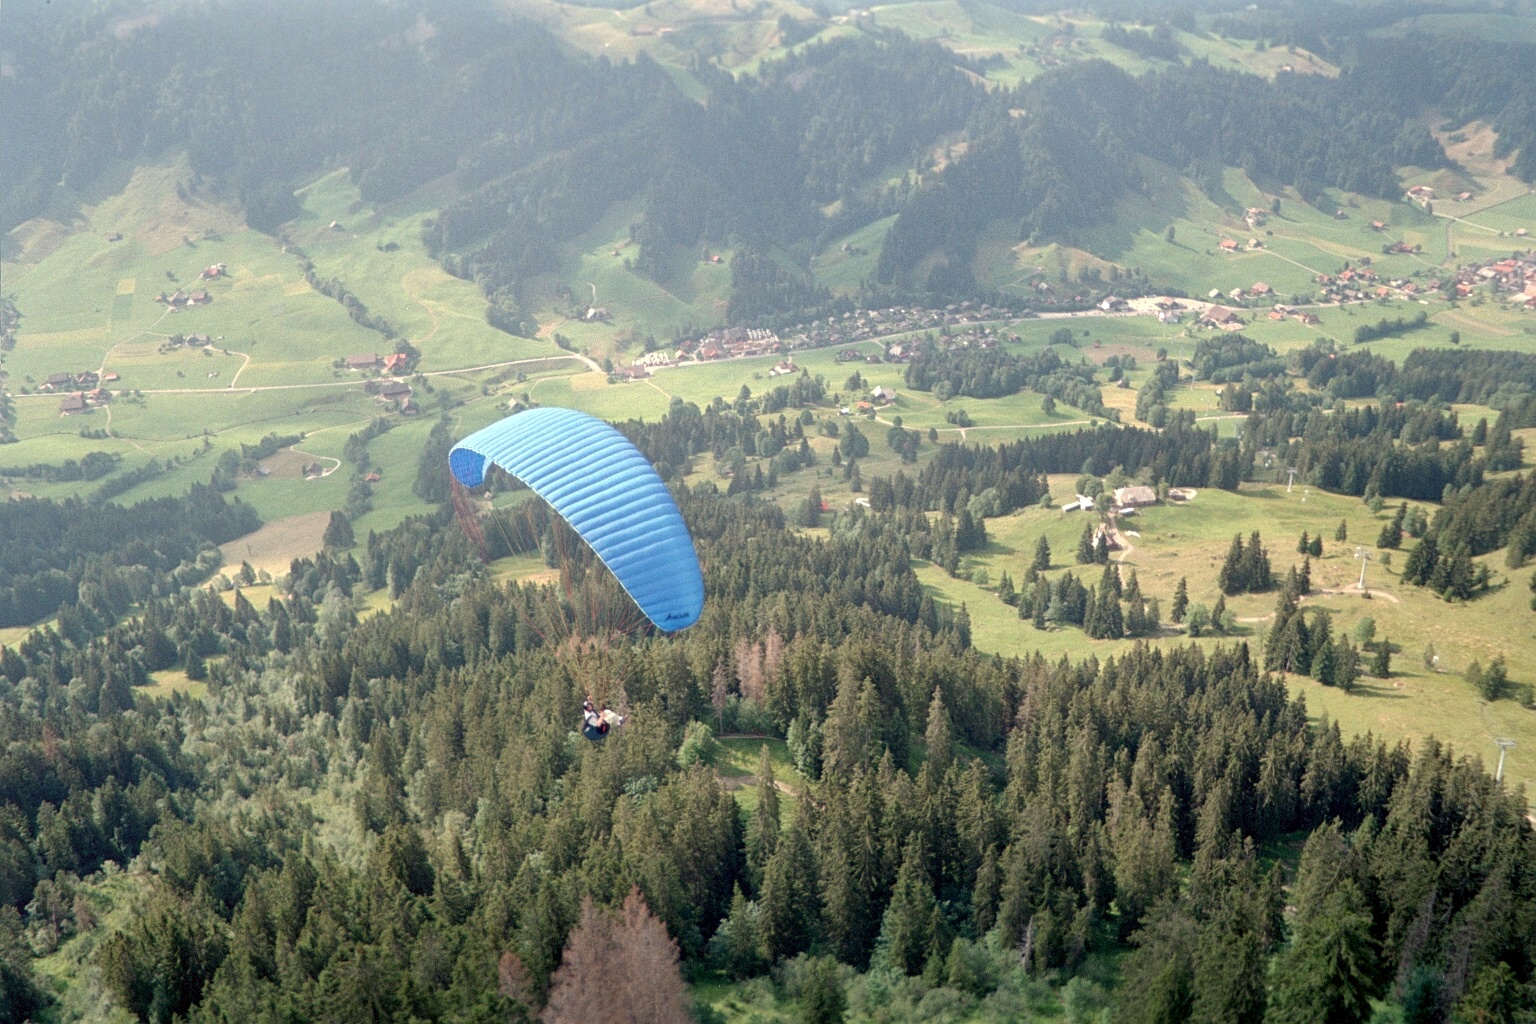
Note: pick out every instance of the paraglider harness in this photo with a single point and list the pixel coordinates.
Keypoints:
(596, 723)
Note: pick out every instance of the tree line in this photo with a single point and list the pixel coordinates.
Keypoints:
(961, 823)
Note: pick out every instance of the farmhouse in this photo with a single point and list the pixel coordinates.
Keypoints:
(72, 404)
(394, 390)
(394, 362)
(363, 361)
(58, 380)
(883, 395)
(1135, 496)
(782, 368)
(1221, 316)
(1229, 245)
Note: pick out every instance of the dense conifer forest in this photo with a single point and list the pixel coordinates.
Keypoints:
(961, 824)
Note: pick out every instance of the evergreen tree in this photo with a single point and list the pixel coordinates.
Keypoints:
(789, 908)
(1136, 622)
(762, 838)
(1494, 997)
(1158, 979)
(1180, 601)
(1229, 969)
(1421, 562)
(822, 1000)
(1327, 974)
(1085, 554)
(905, 931)
(1391, 535)
(1233, 579)
(1346, 664)
(1304, 545)
(737, 943)
(1042, 560)
(937, 738)
(1255, 572)
(338, 532)
(1320, 649)
(1381, 664)
(1342, 533)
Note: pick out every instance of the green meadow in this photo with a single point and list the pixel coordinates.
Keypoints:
(1189, 540)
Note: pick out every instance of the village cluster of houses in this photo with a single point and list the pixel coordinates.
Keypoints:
(85, 390)
(1425, 195)
(847, 328)
(1512, 279)
(179, 300)
(385, 392)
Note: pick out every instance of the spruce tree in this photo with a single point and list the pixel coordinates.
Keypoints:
(762, 838)
(1421, 561)
(937, 738)
(1327, 974)
(1135, 609)
(1085, 546)
(1229, 968)
(1381, 664)
(1391, 535)
(905, 928)
(1180, 600)
(1111, 578)
(1304, 545)
(1342, 533)
(789, 907)
(822, 1000)
(1346, 663)
(1232, 579)
(1042, 560)
(1158, 978)
(1255, 572)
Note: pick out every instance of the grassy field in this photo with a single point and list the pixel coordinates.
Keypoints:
(1189, 540)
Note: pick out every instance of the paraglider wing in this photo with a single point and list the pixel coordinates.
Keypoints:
(603, 486)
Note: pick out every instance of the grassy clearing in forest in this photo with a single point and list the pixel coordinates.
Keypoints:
(1190, 540)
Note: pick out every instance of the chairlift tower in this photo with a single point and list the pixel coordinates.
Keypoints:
(1290, 480)
(1504, 746)
(1364, 556)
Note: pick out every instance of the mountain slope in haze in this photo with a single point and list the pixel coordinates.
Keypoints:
(536, 141)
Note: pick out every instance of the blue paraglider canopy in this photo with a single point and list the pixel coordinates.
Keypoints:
(608, 492)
